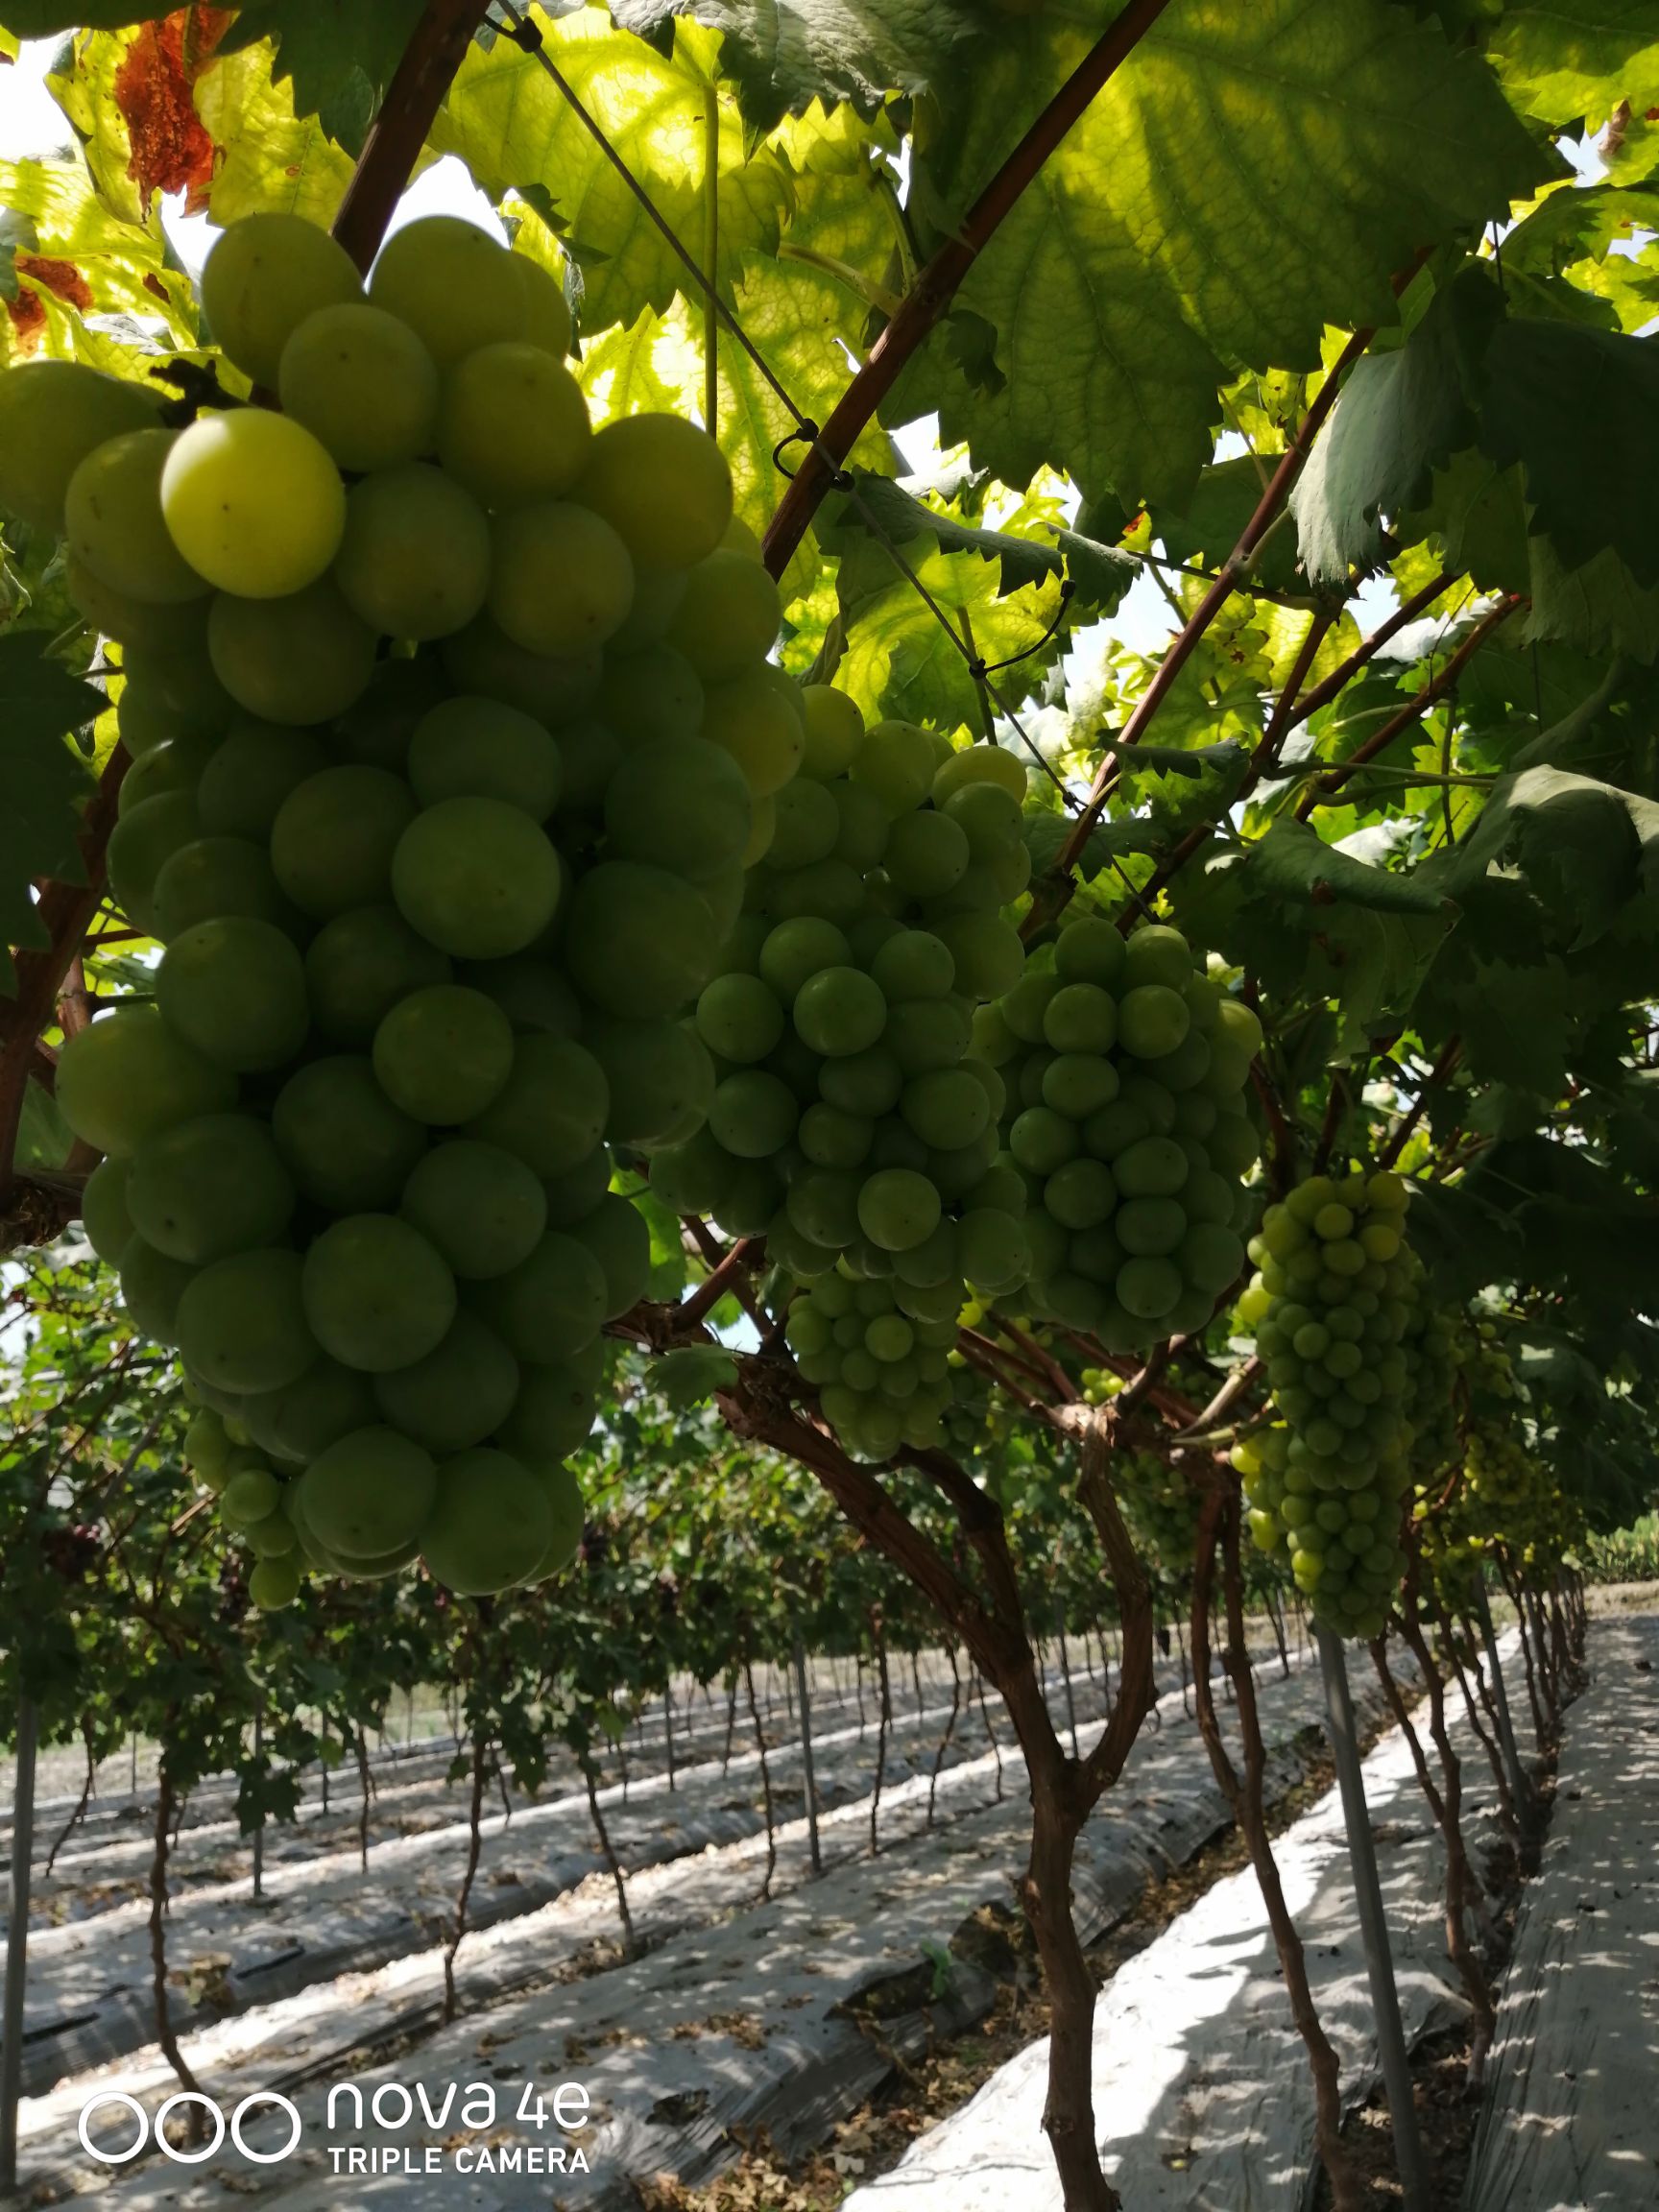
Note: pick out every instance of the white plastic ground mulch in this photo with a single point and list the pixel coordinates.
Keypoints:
(1573, 2117)
(1202, 2098)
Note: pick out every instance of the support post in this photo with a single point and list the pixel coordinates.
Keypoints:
(260, 1829)
(668, 1732)
(1373, 1925)
(810, 1778)
(1519, 1787)
(16, 1945)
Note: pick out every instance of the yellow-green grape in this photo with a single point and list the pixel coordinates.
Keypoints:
(363, 384)
(879, 1362)
(53, 415)
(455, 286)
(1333, 1306)
(264, 276)
(253, 503)
(113, 523)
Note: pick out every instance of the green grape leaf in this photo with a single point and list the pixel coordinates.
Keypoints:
(1161, 241)
(1596, 609)
(1576, 408)
(44, 778)
(1100, 575)
(1291, 862)
(337, 54)
(1579, 224)
(1214, 519)
(267, 159)
(1515, 1024)
(50, 18)
(691, 1374)
(1567, 60)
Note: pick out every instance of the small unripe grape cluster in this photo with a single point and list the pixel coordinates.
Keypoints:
(1332, 1309)
(1432, 1347)
(850, 1120)
(453, 733)
(883, 1375)
(1124, 1069)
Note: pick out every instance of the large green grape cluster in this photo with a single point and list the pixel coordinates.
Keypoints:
(1332, 1308)
(1124, 1071)
(884, 1376)
(454, 731)
(850, 1121)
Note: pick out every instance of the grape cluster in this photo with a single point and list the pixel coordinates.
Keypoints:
(1124, 1069)
(453, 731)
(850, 1121)
(1332, 1307)
(884, 1376)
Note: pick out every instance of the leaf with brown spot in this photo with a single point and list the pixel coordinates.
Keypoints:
(60, 276)
(28, 318)
(171, 151)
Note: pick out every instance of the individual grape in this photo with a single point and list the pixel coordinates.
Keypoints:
(141, 844)
(376, 730)
(639, 942)
(263, 276)
(756, 718)
(551, 1305)
(443, 1053)
(370, 1493)
(567, 1508)
(53, 414)
(455, 286)
(105, 1215)
(739, 1017)
(205, 1189)
(152, 1287)
(662, 485)
(551, 1416)
(678, 804)
(652, 693)
(129, 1075)
(562, 579)
(987, 952)
(303, 1418)
(728, 617)
(363, 384)
(376, 1294)
(174, 626)
(234, 989)
(896, 762)
(806, 825)
(551, 1112)
(1153, 1020)
(217, 875)
(616, 1236)
(274, 1583)
(415, 558)
(181, 694)
(476, 877)
(455, 1396)
(532, 992)
(794, 952)
(479, 1206)
(489, 1526)
(241, 1324)
(1156, 955)
(360, 963)
(576, 1192)
(834, 732)
(297, 661)
(839, 1011)
(112, 520)
(547, 312)
(346, 1144)
(926, 854)
(513, 425)
(207, 1450)
(250, 1496)
(753, 1113)
(474, 748)
(557, 690)
(898, 1209)
(175, 766)
(660, 1078)
(977, 765)
(252, 502)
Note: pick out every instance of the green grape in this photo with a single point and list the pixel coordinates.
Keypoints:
(457, 1394)
(376, 731)
(455, 286)
(556, 689)
(662, 485)
(946, 1108)
(986, 951)
(652, 693)
(550, 1417)
(660, 1078)
(574, 1194)
(1081, 1017)
(173, 626)
(551, 1112)
(1156, 955)
(756, 718)
(217, 875)
(358, 967)
(898, 1208)
(739, 1017)
(234, 989)
(513, 425)
(370, 1493)
(176, 764)
(616, 1236)
(363, 384)
(241, 1323)
(567, 1509)
(263, 276)
(344, 1143)
(977, 765)
(479, 1206)
(797, 950)
(530, 992)
(563, 580)
(1149, 1286)
(476, 877)
(490, 1526)
(298, 660)
(897, 762)
(152, 1287)
(639, 942)
(53, 414)
(112, 520)
(1152, 1020)
(250, 1496)
(913, 964)
(1081, 1195)
(413, 560)
(376, 1294)
(552, 1304)
(547, 313)
(443, 1053)
(728, 617)
(678, 804)
(207, 1450)
(926, 854)
(141, 844)
(205, 1189)
(301, 1418)
(128, 1074)
(839, 1011)
(805, 826)
(754, 1113)
(252, 502)
(105, 1215)
(474, 748)
(694, 1176)
(834, 733)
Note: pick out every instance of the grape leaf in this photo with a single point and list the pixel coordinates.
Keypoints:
(1291, 861)
(50, 18)
(1596, 609)
(692, 1374)
(1567, 60)
(44, 780)
(337, 54)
